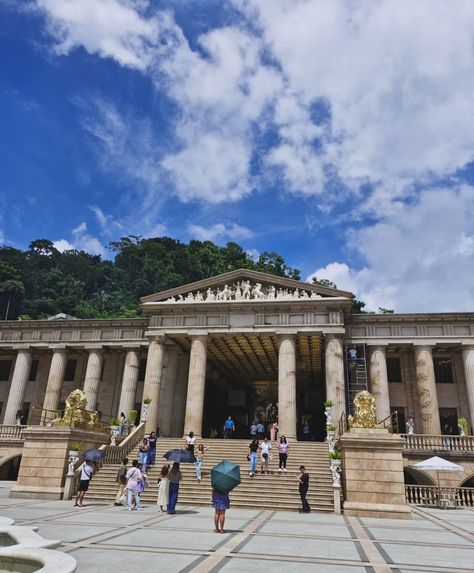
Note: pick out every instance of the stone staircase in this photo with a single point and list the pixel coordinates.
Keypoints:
(278, 491)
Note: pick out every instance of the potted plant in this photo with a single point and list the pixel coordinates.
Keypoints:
(145, 408)
(328, 411)
(335, 457)
(114, 424)
(132, 416)
(462, 426)
(74, 449)
(328, 405)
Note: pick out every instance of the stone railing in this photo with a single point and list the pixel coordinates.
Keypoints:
(115, 454)
(447, 443)
(11, 432)
(432, 495)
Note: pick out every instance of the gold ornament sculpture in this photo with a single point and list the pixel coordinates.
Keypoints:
(76, 414)
(365, 415)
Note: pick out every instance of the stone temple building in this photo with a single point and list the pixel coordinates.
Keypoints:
(245, 344)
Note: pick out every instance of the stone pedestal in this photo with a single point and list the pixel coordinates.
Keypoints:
(335, 386)
(425, 380)
(287, 387)
(45, 457)
(55, 381)
(372, 465)
(18, 386)
(196, 386)
(379, 382)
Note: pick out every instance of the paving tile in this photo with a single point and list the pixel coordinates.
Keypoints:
(308, 529)
(201, 523)
(121, 517)
(419, 535)
(413, 524)
(113, 560)
(308, 517)
(430, 555)
(71, 532)
(237, 565)
(25, 513)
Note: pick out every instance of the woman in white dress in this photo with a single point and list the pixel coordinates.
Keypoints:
(163, 487)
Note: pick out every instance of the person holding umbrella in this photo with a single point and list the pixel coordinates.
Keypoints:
(86, 475)
(220, 502)
(224, 477)
(175, 476)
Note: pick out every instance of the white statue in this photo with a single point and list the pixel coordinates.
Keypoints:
(238, 291)
(257, 292)
(314, 295)
(410, 423)
(190, 297)
(199, 296)
(304, 294)
(271, 293)
(180, 298)
(327, 413)
(171, 299)
(210, 295)
(336, 476)
(246, 289)
(296, 294)
(280, 294)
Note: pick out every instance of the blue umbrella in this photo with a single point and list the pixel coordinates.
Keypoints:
(94, 455)
(225, 476)
(180, 456)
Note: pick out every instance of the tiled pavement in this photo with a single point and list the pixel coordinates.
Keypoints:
(103, 538)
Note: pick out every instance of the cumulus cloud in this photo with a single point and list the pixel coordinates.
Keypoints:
(63, 245)
(82, 241)
(219, 231)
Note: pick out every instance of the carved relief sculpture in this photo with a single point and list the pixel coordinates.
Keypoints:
(75, 413)
(365, 415)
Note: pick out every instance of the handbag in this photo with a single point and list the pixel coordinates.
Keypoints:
(248, 457)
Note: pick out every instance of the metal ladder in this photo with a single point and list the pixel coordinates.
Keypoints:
(356, 374)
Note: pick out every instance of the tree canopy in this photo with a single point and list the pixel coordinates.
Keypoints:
(42, 281)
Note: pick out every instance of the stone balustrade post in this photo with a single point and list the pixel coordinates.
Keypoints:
(335, 384)
(55, 380)
(92, 377)
(427, 394)
(18, 386)
(468, 361)
(287, 387)
(129, 382)
(379, 382)
(196, 386)
(152, 384)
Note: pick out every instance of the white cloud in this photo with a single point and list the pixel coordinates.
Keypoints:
(220, 231)
(81, 241)
(63, 245)
(108, 224)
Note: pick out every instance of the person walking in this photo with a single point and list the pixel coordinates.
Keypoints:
(144, 449)
(260, 430)
(134, 475)
(164, 488)
(253, 456)
(273, 432)
(303, 485)
(151, 449)
(266, 447)
(190, 442)
(200, 460)
(121, 479)
(86, 475)
(141, 486)
(283, 450)
(229, 428)
(220, 502)
(123, 423)
(175, 477)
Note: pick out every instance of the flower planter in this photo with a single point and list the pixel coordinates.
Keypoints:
(335, 463)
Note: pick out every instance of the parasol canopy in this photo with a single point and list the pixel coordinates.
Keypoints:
(94, 455)
(225, 476)
(180, 456)
(437, 464)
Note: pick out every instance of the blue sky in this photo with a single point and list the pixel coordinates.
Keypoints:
(335, 133)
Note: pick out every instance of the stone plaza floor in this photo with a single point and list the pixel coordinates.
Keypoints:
(105, 539)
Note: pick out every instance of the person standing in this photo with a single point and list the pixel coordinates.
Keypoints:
(200, 460)
(253, 430)
(190, 442)
(229, 428)
(141, 486)
(151, 449)
(253, 456)
(164, 488)
(134, 475)
(306, 432)
(353, 354)
(144, 449)
(260, 430)
(265, 446)
(283, 450)
(121, 479)
(303, 485)
(273, 432)
(123, 423)
(86, 475)
(175, 477)
(220, 502)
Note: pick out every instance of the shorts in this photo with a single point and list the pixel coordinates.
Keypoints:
(84, 485)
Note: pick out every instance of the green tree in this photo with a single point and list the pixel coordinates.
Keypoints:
(12, 288)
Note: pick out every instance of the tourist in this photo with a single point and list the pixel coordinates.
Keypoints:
(303, 485)
(229, 428)
(447, 431)
(260, 430)
(253, 430)
(273, 432)
(86, 475)
(283, 449)
(190, 442)
(123, 423)
(253, 456)
(200, 460)
(306, 432)
(144, 449)
(265, 446)
(164, 487)
(175, 477)
(121, 479)
(220, 502)
(134, 475)
(151, 449)
(353, 354)
(19, 417)
(141, 486)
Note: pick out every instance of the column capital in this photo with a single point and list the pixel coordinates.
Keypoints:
(59, 348)
(202, 337)
(423, 346)
(158, 338)
(334, 336)
(98, 349)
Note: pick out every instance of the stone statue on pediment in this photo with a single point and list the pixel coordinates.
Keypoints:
(304, 294)
(296, 294)
(190, 297)
(171, 299)
(271, 292)
(314, 295)
(180, 298)
(225, 294)
(257, 292)
(210, 296)
(199, 297)
(237, 291)
(246, 290)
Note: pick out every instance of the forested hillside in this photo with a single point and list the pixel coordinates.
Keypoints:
(42, 281)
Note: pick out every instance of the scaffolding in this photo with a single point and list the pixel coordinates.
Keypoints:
(355, 373)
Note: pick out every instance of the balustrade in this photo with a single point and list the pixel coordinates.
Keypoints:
(11, 431)
(439, 442)
(115, 454)
(430, 495)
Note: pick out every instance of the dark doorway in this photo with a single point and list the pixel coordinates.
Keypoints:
(9, 470)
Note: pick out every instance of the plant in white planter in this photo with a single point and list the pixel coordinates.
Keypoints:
(462, 426)
(328, 410)
(74, 449)
(145, 408)
(114, 430)
(335, 457)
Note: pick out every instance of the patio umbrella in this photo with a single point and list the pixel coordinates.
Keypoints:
(437, 464)
(180, 456)
(94, 455)
(225, 476)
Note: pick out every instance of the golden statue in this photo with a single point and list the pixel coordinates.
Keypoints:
(76, 414)
(365, 415)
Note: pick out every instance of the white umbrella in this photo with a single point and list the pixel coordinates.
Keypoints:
(437, 464)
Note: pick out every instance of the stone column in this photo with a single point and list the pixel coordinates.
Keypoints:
(468, 360)
(425, 380)
(335, 385)
(18, 386)
(129, 382)
(379, 382)
(287, 387)
(179, 400)
(168, 385)
(196, 386)
(153, 376)
(55, 380)
(92, 377)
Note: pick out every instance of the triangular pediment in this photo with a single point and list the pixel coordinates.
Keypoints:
(244, 285)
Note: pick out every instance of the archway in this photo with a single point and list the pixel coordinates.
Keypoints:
(10, 468)
(415, 477)
(469, 482)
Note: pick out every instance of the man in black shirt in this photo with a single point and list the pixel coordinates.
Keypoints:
(303, 481)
